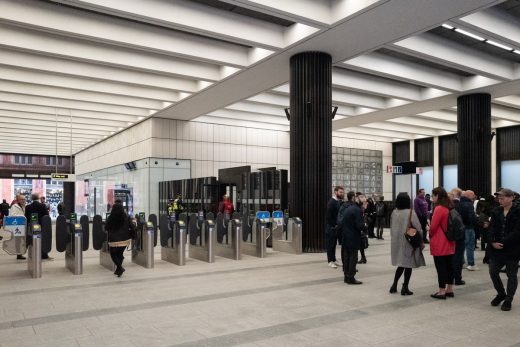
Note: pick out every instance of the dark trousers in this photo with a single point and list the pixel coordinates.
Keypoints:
(495, 264)
(458, 259)
(371, 225)
(116, 253)
(444, 266)
(380, 224)
(424, 222)
(349, 259)
(331, 240)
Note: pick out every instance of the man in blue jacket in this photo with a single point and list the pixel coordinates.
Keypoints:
(350, 224)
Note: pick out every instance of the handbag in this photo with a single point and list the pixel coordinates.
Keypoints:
(411, 235)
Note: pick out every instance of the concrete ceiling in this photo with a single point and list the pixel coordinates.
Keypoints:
(91, 68)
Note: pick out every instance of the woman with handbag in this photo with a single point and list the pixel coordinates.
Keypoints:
(120, 231)
(441, 248)
(406, 242)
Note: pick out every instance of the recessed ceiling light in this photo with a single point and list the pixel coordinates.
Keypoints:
(140, 118)
(447, 26)
(499, 45)
(516, 51)
(120, 129)
(467, 33)
(130, 123)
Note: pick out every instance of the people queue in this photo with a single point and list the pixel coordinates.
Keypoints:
(450, 222)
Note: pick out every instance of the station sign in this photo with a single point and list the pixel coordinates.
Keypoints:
(65, 177)
(394, 169)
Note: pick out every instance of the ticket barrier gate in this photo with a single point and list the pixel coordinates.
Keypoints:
(34, 254)
(288, 237)
(143, 245)
(100, 243)
(72, 238)
(173, 240)
(202, 238)
(229, 237)
(255, 242)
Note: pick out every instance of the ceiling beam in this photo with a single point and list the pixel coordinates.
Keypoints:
(440, 50)
(76, 49)
(64, 119)
(120, 32)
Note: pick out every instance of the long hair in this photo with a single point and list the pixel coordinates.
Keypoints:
(117, 216)
(442, 197)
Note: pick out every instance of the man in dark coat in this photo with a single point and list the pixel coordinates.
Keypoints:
(350, 224)
(505, 248)
(331, 232)
(37, 207)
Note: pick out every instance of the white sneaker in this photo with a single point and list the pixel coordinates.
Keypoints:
(472, 268)
(333, 265)
(337, 264)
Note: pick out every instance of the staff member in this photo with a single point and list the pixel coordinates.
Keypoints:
(331, 232)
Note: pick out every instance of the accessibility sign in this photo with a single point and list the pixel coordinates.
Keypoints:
(263, 215)
(278, 217)
(15, 225)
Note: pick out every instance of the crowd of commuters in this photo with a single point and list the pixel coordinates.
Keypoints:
(450, 222)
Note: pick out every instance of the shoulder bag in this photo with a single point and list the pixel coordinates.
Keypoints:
(411, 235)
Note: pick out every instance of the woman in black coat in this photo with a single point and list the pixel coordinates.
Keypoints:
(120, 230)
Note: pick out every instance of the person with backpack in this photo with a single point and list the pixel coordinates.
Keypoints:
(460, 244)
(381, 211)
(441, 248)
(505, 248)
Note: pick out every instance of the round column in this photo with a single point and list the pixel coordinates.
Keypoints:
(474, 140)
(311, 144)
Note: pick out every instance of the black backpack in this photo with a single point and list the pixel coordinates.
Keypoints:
(456, 230)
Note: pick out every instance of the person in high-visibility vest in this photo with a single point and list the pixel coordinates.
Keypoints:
(176, 206)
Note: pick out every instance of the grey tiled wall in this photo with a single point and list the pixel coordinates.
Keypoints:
(360, 170)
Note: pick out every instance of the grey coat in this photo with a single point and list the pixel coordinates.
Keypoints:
(402, 252)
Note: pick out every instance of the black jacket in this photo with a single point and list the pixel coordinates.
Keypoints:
(381, 209)
(467, 212)
(506, 230)
(36, 207)
(119, 231)
(332, 212)
(350, 224)
(4, 208)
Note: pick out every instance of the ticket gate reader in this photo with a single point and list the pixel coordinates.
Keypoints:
(16, 227)
(34, 255)
(256, 243)
(72, 238)
(229, 240)
(143, 245)
(288, 237)
(74, 251)
(173, 240)
(203, 238)
(100, 243)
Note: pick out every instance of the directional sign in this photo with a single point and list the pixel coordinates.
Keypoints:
(263, 215)
(15, 225)
(66, 177)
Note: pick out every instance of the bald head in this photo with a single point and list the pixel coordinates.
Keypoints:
(469, 194)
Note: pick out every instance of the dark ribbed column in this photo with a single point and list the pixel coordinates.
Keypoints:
(474, 137)
(311, 144)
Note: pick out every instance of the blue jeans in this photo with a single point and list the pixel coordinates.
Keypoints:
(470, 246)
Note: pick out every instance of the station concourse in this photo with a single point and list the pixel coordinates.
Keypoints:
(204, 172)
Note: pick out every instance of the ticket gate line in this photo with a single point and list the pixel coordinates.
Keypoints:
(290, 239)
(74, 251)
(173, 241)
(229, 244)
(34, 254)
(256, 244)
(202, 239)
(143, 245)
(100, 243)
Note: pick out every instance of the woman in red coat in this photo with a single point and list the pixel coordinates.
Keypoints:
(441, 249)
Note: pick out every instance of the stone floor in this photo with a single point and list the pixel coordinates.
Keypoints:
(282, 300)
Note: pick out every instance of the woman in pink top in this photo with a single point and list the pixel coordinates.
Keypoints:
(441, 249)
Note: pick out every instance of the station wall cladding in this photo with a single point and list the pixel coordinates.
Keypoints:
(360, 170)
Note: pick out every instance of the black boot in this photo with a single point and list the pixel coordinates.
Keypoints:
(405, 290)
(362, 261)
(393, 288)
